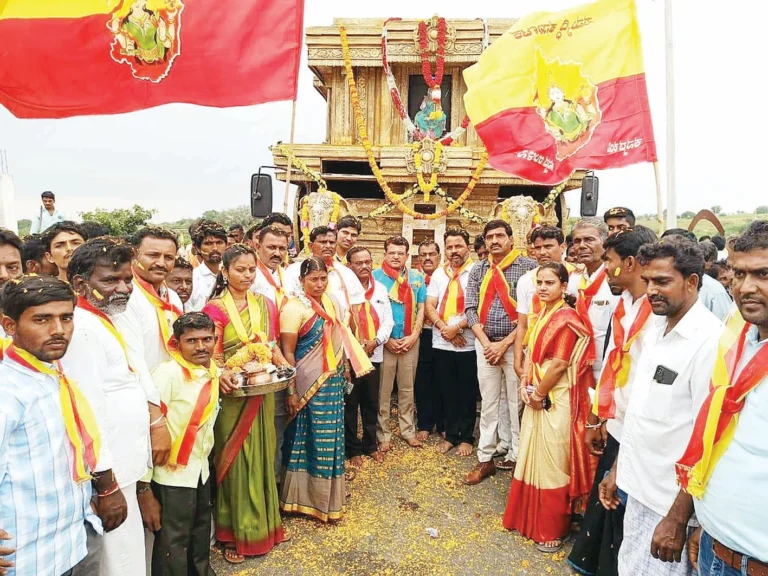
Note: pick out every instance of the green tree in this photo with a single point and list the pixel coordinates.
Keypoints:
(717, 209)
(688, 215)
(24, 227)
(237, 215)
(758, 210)
(121, 221)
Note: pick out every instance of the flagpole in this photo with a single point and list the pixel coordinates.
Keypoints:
(659, 199)
(288, 174)
(670, 84)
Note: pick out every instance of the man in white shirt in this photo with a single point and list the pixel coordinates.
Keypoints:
(347, 233)
(342, 282)
(453, 344)
(728, 491)
(374, 325)
(595, 303)
(48, 215)
(597, 544)
(669, 387)
(61, 240)
(100, 272)
(210, 240)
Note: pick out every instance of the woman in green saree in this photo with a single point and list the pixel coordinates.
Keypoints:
(248, 519)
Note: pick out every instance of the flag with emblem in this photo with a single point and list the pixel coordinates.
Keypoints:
(564, 91)
(65, 58)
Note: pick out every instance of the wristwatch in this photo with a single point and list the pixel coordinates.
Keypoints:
(378, 342)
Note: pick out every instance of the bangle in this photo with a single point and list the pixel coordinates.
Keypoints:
(160, 418)
(109, 491)
(145, 488)
(593, 426)
(159, 423)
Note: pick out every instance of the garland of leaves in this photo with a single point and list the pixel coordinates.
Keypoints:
(302, 167)
(362, 132)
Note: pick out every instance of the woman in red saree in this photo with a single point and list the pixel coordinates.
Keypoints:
(553, 468)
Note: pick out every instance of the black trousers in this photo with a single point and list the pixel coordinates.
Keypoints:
(596, 550)
(182, 546)
(365, 398)
(426, 394)
(456, 374)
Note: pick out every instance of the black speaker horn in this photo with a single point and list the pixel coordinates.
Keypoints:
(590, 186)
(261, 194)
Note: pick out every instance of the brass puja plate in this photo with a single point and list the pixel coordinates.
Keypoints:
(278, 383)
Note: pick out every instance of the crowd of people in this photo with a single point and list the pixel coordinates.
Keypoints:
(619, 379)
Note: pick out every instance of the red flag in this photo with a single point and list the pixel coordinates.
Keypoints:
(80, 57)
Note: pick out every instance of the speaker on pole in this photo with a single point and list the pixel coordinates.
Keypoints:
(589, 194)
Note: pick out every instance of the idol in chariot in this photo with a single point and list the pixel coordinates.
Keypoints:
(430, 119)
(146, 36)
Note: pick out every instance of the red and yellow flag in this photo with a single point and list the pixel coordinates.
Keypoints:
(563, 91)
(65, 58)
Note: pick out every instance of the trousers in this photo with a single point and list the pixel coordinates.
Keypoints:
(428, 395)
(364, 399)
(404, 367)
(456, 373)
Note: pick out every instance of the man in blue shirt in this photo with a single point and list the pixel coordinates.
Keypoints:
(407, 294)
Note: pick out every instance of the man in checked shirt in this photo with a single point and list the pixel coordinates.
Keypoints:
(491, 309)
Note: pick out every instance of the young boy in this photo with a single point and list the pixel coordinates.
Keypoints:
(189, 387)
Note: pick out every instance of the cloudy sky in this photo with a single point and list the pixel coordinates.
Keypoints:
(208, 155)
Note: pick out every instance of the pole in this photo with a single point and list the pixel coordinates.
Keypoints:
(659, 199)
(670, 61)
(288, 175)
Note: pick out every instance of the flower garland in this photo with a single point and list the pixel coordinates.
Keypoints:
(423, 186)
(302, 167)
(305, 215)
(433, 80)
(414, 134)
(389, 206)
(552, 196)
(463, 212)
(362, 132)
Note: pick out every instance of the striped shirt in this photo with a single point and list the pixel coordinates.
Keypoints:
(41, 507)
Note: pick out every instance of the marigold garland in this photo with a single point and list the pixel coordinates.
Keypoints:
(423, 186)
(362, 132)
(304, 223)
(302, 167)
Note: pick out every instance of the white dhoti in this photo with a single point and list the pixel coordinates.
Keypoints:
(635, 553)
(123, 550)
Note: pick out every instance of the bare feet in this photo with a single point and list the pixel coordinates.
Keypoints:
(422, 436)
(465, 449)
(444, 447)
(385, 446)
(414, 443)
(378, 457)
(356, 461)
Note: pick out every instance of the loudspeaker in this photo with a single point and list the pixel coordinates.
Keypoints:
(589, 194)
(261, 195)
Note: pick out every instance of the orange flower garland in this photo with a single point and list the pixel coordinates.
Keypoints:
(362, 132)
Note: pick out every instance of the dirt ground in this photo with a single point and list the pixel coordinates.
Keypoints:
(384, 530)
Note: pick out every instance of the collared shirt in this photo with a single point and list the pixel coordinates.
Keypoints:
(715, 297)
(140, 329)
(418, 287)
(203, 281)
(262, 286)
(438, 288)
(660, 417)
(95, 356)
(41, 506)
(727, 512)
(380, 302)
(621, 395)
(180, 396)
(342, 283)
(498, 325)
(44, 220)
(600, 312)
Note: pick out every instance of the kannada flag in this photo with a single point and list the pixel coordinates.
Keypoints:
(63, 58)
(563, 91)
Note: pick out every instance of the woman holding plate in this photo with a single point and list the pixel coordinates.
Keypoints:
(316, 339)
(248, 519)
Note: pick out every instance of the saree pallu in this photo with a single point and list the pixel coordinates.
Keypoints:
(313, 449)
(554, 471)
(247, 502)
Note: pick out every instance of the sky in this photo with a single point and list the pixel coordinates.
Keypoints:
(183, 160)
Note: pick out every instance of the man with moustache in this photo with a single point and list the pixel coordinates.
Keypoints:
(342, 282)
(210, 240)
(271, 250)
(619, 220)
(491, 311)
(11, 265)
(597, 545)
(347, 233)
(453, 345)
(100, 273)
(60, 241)
(237, 233)
(50, 457)
(180, 280)
(374, 326)
(668, 389)
(284, 223)
(429, 405)
(728, 490)
(595, 302)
